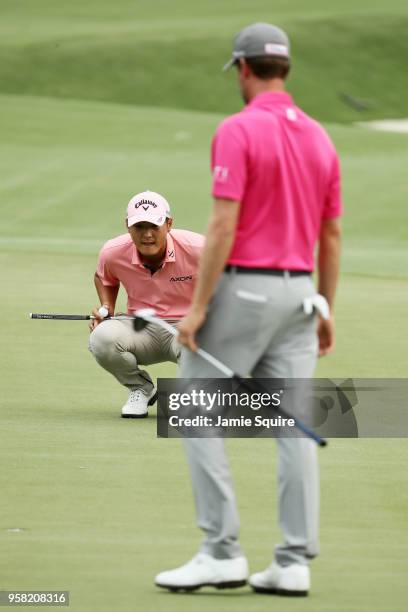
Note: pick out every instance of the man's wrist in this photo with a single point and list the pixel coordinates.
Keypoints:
(109, 307)
(198, 308)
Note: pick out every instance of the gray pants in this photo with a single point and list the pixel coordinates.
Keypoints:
(257, 326)
(121, 350)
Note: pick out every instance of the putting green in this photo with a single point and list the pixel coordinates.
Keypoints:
(102, 504)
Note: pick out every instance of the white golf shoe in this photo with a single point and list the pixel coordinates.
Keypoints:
(292, 580)
(204, 570)
(137, 405)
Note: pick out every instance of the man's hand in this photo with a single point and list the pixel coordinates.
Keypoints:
(326, 335)
(98, 317)
(189, 326)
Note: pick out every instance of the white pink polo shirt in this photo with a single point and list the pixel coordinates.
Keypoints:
(170, 289)
(283, 169)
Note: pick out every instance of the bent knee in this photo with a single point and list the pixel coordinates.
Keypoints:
(103, 339)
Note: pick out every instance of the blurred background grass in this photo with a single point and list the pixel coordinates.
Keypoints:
(174, 58)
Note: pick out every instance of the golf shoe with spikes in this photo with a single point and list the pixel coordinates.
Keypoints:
(291, 580)
(204, 570)
(137, 404)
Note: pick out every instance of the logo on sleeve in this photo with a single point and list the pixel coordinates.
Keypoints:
(220, 173)
(291, 114)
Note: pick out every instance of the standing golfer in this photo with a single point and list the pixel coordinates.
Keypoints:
(157, 266)
(277, 193)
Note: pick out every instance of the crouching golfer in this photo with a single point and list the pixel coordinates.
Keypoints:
(157, 266)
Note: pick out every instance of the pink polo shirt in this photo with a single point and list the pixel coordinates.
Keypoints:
(283, 169)
(169, 290)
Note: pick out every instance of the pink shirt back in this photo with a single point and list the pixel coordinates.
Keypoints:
(283, 168)
(169, 290)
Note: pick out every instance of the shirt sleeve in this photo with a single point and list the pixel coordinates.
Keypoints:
(333, 206)
(229, 162)
(104, 271)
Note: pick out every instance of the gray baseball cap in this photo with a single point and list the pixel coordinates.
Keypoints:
(260, 39)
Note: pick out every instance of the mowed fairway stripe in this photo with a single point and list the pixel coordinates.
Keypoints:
(35, 175)
(26, 213)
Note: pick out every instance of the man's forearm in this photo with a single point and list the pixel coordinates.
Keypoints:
(329, 261)
(218, 244)
(107, 295)
(212, 263)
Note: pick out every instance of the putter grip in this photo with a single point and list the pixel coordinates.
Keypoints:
(61, 317)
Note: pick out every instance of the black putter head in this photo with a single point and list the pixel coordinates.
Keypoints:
(139, 324)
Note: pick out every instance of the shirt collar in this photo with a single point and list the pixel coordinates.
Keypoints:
(170, 252)
(267, 99)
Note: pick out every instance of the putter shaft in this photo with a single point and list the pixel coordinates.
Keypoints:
(74, 317)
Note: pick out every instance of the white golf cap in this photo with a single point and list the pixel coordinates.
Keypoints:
(148, 206)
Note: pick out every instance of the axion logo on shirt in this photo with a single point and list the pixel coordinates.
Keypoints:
(145, 204)
(181, 278)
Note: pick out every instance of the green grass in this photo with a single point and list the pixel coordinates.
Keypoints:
(80, 162)
(159, 54)
(103, 505)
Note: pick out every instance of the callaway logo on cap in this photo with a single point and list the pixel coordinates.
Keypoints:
(260, 40)
(148, 206)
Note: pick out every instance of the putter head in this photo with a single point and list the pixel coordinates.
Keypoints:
(140, 318)
(139, 324)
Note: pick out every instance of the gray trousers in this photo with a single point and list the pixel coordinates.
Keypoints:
(120, 350)
(257, 326)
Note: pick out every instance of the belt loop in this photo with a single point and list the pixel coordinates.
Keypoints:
(233, 271)
(286, 275)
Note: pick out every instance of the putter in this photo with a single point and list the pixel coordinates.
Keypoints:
(148, 315)
(73, 317)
